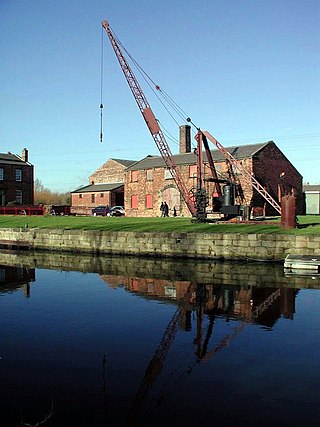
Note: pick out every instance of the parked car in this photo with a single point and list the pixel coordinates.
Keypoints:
(101, 211)
(118, 211)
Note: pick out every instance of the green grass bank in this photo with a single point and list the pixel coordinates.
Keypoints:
(308, 224)
(162, 237)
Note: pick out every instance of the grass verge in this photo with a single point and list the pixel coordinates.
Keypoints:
(308, 224)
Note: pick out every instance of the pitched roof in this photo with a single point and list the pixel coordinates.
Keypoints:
(123, 162)
(239, 152)
(98, 187)
(311, 187)
(12, 159)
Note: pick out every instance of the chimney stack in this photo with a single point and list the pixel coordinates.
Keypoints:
(24, 155)
(184, 139)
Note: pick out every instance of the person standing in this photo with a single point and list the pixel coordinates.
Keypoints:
(162, 209)
(165, 209)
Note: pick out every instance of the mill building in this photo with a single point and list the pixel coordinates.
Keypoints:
(141, 186)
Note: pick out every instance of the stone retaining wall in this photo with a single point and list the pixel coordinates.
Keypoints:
(242, 274)
(186, 245)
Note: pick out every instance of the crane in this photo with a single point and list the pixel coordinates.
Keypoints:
(246, 175)
(202, 352)
(156, 363)
(198, 200)
(151, 121)
(234, 165)
(195, 292)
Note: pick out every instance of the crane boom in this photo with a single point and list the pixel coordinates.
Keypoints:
(150, 120)
(156, 363)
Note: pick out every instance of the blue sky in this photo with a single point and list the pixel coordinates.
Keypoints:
(245, 70)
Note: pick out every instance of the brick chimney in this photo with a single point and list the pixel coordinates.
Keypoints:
(184, 139)
(24, 155)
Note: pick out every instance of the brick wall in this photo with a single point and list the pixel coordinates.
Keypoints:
(82, 203)
(267, 167)
(142, 187)
(184, 139)
(159, 187)
(109, 172)
(9, 185)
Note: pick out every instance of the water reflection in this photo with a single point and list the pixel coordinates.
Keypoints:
(15, 278)
(119, 269)
(127, 341)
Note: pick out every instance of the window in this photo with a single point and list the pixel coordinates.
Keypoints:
(18, 174)
(93, 198)
(167, 174)
(134, 201)
(218, 167)
(80, 196)
(19, 196)
(134, 285)
(20, 273)
(235, 171)
(101, 194)
(134, 176)
(192, 171)
(170, 291)
(149, 201)
(150, 288)
(149, 174)
(1, 174)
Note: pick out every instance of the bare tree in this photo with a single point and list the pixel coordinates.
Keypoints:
(46, 196)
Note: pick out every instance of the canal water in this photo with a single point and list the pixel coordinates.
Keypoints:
(106, 341)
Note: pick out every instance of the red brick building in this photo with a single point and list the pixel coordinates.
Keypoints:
(238, 302)
(141, 186)
(16, 179)
(147, 182)
(106, 187)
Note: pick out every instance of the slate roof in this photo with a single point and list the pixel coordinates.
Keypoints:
(99, 187)
(123, 162)
(11, 159)
(311, 187)
(239, 152)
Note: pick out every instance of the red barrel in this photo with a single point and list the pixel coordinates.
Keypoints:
(288, 212)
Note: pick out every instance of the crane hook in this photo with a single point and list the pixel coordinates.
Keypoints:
(101, 134)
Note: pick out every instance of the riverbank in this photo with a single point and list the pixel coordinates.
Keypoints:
(120, 269)
(225, 246)
(308, 224)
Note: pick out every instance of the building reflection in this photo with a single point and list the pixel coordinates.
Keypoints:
(260, 305)
(249, 303)
(199, 305)
(15, 278)
(229, 295)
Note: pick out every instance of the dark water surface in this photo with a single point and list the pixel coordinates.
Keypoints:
(132, 342)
